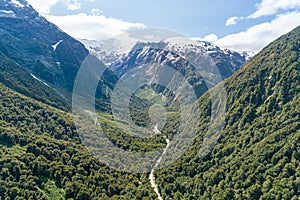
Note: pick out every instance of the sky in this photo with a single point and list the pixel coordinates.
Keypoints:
(235, 24)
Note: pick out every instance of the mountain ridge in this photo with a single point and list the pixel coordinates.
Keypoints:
(110, 56)
(28, 39)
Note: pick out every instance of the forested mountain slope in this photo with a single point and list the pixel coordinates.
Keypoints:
(42, 157)
(16, 77)
(257, 154)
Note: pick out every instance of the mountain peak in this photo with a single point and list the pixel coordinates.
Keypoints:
(20, 9)
(38, 45)
(19, 4)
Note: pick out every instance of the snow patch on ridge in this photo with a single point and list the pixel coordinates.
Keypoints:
(55, 45)
(7, 13)
(17, 3)
(46, 84)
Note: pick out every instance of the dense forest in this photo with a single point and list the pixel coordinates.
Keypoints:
(257, 154)
(42, 157)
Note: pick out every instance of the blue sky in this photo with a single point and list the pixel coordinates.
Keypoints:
(236, 24)
(192, 17)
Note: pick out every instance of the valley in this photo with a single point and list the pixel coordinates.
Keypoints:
(150, 128)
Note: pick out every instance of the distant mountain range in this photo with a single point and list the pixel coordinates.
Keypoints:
(117, 51)
(123, 55)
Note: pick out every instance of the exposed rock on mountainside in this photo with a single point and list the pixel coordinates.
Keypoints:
(38, 45)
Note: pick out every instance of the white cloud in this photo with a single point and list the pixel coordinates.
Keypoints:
(85, 26)
(267, 7)
(209, 38)
(43, 7)
(258, 36)
(96, 11)
(92, 27)
(232, 21)
(270, 7)
(72, 4)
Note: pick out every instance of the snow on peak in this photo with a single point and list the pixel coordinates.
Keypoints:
(248, 54)
(7, 13)
(144, 51)
(17, 3)
(179, 41)
(185, 45)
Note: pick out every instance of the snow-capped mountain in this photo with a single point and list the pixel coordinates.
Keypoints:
(114, 52)
(16, 3)
(194, 59)
(107, 52)
(227, 61)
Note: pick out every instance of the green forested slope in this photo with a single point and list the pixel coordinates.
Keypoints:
(257, 155)
(19, 79)
(41, 157)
